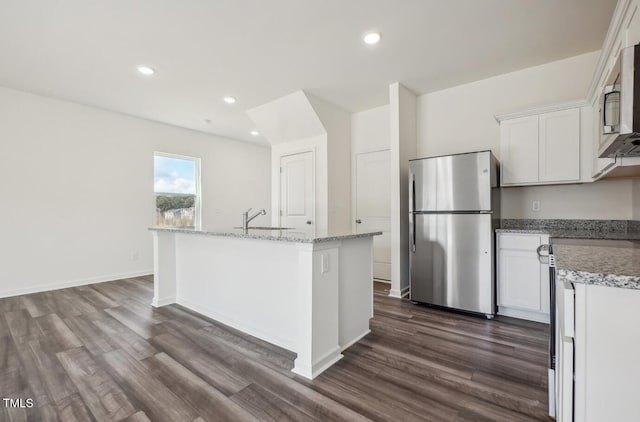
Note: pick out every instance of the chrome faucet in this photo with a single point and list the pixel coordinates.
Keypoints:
(246, 219)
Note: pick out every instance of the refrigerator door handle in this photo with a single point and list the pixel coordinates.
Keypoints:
(413, 232)
(413, 216)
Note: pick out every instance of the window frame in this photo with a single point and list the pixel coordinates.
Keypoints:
(198, 200)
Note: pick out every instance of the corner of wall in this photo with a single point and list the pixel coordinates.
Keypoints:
(337, 123)
(403, 145)
(635, 195)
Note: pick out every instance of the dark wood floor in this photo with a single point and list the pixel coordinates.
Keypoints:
(100, 352)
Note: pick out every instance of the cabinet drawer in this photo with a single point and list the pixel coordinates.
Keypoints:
(525, 242)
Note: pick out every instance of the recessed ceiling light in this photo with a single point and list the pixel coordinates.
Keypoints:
(371, 38)
(255, 133)
(146, 70)
(229, 100)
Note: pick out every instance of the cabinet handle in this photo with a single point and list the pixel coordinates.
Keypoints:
(543, 247)
(543, 258)
(358, 221)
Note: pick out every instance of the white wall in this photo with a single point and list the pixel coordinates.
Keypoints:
(287, 119)
(77, 189)
(605, 199)
(636, 199)
(402, 138)
(370, 130)
(300, 122)
(337, 123)
(461, 119)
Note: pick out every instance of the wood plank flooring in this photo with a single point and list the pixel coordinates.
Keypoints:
(102, 353)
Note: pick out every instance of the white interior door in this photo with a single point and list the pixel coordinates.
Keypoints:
(297, 197)
(373, 206)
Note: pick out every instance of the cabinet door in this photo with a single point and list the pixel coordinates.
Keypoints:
(519, 274)
(559, 147)
(519, 150)
(600, 165)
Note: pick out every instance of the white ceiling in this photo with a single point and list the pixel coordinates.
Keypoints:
(259, 50)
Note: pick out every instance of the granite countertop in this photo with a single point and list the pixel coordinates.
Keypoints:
(599, 265)
(598, 252)
(289, 235)
(575, 234)
(574, 229)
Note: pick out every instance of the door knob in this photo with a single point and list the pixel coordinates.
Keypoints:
(308, 221)
(358, 221)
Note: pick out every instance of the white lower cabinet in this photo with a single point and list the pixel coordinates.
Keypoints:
(607, 343)
(523, 281)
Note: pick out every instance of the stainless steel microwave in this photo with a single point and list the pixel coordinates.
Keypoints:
(620, 107)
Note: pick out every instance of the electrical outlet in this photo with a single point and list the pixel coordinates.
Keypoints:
(535, 205)
(324, 262)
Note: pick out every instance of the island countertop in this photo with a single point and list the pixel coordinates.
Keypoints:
(609, 265)
(288, 235)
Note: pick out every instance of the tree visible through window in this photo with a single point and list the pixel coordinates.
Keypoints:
(177, 191)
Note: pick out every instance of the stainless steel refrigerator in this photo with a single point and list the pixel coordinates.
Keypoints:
(453, 211)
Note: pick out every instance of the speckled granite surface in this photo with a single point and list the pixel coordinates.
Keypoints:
(574, 229)
(565, 224)
(277, 235)
(576, 234)
(600, 265)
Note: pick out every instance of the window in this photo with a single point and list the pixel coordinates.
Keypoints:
(176, 185)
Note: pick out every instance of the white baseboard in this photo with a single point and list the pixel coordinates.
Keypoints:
(395, 293)
(73, 283)
(399, 294)
(379, 280)
(157, 303)
(354, 341)
(523, 314)
(319, 366)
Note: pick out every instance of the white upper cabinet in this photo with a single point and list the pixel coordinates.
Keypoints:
(541, 148)
(559, 146)
(519, 150)
(624, 31)
(600, 165)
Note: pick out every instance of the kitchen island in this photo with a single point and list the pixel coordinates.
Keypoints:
(308, 293)
(598, 291)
